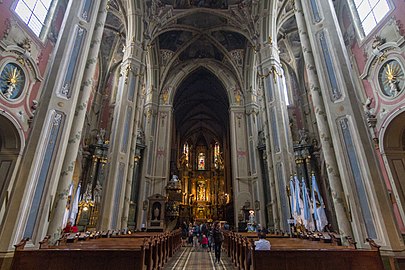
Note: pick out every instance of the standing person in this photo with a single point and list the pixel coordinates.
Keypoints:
(190, 234)
(204, 242)
(184, 234)
(262, 243)
(196, 236)
(218, 239)
(210, 238)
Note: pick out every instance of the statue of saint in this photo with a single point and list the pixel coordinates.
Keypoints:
(156, 213)
(393, 87)
(251, 216)
(201, 192)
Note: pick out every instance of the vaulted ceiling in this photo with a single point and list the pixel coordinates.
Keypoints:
(201, 106)
(194, 36)
(184, 32)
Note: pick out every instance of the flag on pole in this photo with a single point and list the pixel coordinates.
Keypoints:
(292, 196)
(297, 201)
(67, 210)
(319, 211)
(307, 216)
(75, 206)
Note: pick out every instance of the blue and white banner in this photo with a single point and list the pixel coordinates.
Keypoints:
(307, 215)
(75, 207)
(292, 196)
(319, 206)
(297, 214)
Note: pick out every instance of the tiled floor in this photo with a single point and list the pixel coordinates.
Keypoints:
(189, 259)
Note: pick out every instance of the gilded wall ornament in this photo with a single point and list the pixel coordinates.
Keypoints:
(391, 78)
(12, 81)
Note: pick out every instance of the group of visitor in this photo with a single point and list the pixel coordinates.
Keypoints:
(208, 237)
(203, 236)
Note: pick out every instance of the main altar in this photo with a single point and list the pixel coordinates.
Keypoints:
(204, 191)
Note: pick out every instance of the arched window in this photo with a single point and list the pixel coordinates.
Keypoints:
(201, 161)
(369, 13)
(216, 155)
(34, 14)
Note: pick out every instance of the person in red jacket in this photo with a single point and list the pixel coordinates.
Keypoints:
(70, 228)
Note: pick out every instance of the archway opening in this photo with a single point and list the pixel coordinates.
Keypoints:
(394, 149)
(201, 143)
(10, 145)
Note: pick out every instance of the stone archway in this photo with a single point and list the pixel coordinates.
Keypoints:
(10, 147)
(394, 154)
(201, 121)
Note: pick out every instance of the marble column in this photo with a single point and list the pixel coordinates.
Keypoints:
(163, 138)
(150, 114)
(128, 186)
(123, 128)
(277, 130)
(86, 88)
(239, 159)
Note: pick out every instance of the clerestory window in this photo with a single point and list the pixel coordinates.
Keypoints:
(370, 13)
(34, 14)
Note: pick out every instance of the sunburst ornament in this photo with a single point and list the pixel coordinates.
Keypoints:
(14, 77)
(391, 78)
(12, 81)
(391, 73)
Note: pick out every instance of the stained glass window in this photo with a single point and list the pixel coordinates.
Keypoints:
(33, 13)
(12, 81)
(201, 161)
(217, 154)
(184, 159)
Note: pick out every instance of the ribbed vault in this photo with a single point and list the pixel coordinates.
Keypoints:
(201, 104)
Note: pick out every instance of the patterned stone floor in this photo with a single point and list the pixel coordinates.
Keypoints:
(190, 259)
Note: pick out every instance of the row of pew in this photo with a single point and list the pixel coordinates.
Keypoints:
(143, 251)
(296, 253)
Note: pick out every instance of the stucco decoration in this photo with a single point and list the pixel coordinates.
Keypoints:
(16, 37)
(389, 39)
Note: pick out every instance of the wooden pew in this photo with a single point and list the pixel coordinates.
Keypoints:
(114, 251)
(331, 259)
(122, 259)
(296, 253)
